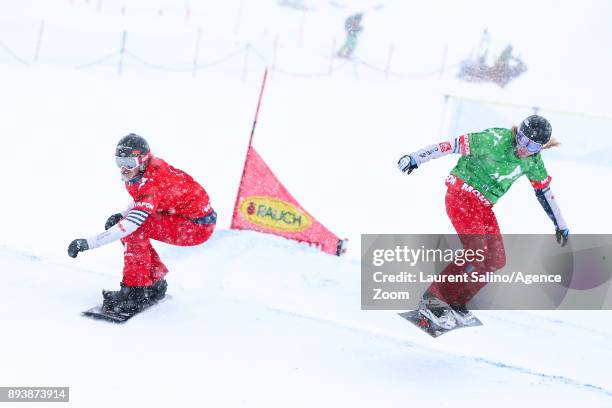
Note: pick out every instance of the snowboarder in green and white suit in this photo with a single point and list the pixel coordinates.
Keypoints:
(492, 160)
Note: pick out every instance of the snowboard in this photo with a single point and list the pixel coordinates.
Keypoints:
(429, 327)
(98, 313)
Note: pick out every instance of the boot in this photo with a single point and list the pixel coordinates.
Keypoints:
(126, 300)
(462, 314)
(157, 291)
(438, 311)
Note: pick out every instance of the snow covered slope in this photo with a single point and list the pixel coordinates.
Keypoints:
(259, 321)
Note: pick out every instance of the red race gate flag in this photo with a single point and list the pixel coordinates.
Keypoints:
(263, 204)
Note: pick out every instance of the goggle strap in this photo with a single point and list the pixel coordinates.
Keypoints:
(142, 159)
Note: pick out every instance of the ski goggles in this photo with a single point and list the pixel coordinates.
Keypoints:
(130, 162)
(524, 141)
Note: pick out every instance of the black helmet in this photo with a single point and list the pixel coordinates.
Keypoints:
(132, 145)
(537, 129)
(132, 151)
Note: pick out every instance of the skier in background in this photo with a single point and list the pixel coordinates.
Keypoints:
(505, 56)
(492, 160)
(352, 26)
(483, 48)
(507, 67)
(168, 206)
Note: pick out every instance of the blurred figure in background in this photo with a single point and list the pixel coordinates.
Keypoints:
(505, 68)
(352, 26)
(483, 48)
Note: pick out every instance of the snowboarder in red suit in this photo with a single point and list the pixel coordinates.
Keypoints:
(169, 206)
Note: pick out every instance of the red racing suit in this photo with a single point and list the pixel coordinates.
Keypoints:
(477, 227)
(169, 206)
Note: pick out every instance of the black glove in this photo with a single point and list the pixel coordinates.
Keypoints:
(76, 246)
(112, 220)
(562, 236)
(406, 164)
